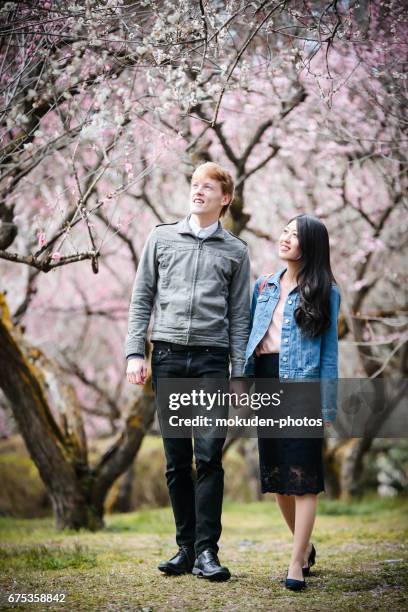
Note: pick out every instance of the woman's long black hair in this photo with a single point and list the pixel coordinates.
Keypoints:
(314, 277)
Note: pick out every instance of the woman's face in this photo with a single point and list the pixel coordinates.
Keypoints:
(289, 249)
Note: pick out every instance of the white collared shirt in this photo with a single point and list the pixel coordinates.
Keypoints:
(202, 232)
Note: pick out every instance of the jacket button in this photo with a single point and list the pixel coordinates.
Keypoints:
(289, 301)
(286, 340)
(287, 320)
(284, 358)
(285, 376)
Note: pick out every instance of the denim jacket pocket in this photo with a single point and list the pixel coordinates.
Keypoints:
(263, 298)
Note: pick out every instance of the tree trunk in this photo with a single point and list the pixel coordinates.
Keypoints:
(123, 502)
(122, 453)
(46, 445)
(331, 470)
(77, 492)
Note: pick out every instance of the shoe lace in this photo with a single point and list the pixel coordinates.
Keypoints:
(186, 550)
(213, 556)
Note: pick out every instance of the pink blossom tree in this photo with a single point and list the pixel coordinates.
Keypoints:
(105, 113)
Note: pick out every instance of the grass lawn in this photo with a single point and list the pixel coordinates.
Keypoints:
(361, 563)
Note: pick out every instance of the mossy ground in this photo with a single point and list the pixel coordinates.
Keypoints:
(362, 561)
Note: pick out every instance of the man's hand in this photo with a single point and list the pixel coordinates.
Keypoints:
(238, 386)
(136, 371)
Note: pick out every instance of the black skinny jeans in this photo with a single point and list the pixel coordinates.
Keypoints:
(197, 506)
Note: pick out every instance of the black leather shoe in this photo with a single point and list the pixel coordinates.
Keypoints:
(181, 563)
(207, 565)
(295, 585)
(310, 561)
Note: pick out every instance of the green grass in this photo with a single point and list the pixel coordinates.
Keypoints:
(362, 561)
(46, 558)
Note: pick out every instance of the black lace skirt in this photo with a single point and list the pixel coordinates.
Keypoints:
(290, 466)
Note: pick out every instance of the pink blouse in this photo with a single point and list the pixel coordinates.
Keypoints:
(271, 341)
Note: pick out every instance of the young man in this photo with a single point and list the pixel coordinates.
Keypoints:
(195, 276)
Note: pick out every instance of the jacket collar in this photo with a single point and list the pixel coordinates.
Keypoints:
(183, 227)
(275, 279)
(205, 232)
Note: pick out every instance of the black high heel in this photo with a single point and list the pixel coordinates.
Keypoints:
(310, 562)
(295, 585)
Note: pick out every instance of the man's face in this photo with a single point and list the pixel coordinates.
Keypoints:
(206, 196)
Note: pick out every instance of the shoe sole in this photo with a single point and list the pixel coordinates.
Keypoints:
(217, 577)
(172, 572)
(295, 589)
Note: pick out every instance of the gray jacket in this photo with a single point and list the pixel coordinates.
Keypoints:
(197, 289)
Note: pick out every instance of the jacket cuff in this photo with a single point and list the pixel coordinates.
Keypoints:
(249, 370)
(133, 355)
(135, 347)
(237, 368)
(328, 393)
(329, 415)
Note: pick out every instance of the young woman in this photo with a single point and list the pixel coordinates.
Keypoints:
(293, 336)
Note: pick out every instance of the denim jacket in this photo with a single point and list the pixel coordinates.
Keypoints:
(300, 356)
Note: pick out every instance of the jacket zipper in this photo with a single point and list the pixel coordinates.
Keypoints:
(200, 246)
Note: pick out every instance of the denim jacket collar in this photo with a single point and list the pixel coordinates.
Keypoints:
(275, 279)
